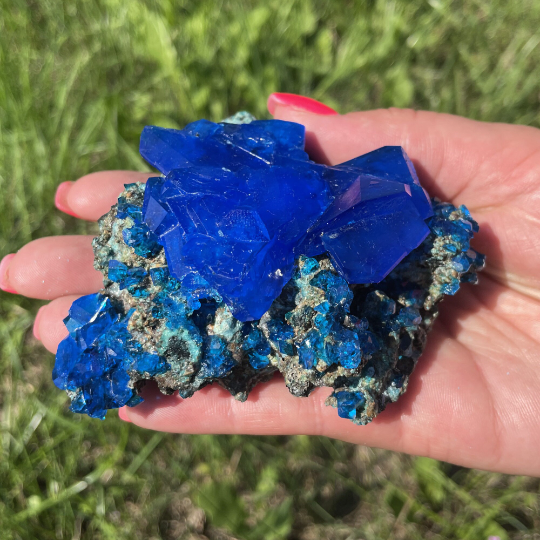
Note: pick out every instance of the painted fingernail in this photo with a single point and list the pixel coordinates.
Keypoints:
(298, 102)
(35, 328)
(123, 415)
(60, 199)
(4, 281)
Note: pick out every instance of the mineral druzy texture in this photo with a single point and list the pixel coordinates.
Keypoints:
(246, 258)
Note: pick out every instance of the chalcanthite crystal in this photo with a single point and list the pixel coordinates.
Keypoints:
(240, 201)
(247, 258)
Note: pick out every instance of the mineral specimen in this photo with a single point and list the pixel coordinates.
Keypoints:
(247, 258)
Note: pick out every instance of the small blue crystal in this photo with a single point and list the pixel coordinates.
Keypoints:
(142, 240)
(160, 275)
(346, 349)
(336, 288)
(89, 316)
(217, 361)
(348, 402)
(126, 210)
(258, 349)
(67, 356)
(409, 316)
(310, 349)
(461, 263)
(281, 335)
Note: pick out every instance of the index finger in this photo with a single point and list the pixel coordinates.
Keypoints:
(92, 195)
(481, 163)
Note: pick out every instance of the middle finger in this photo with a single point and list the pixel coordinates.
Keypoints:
(55, 266)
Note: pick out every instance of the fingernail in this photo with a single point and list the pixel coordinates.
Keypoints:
(4, 282)
(298, 102)
(35, 328)
(60, 199)
(123, 415)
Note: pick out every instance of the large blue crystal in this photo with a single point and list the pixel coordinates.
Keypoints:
(239, 203)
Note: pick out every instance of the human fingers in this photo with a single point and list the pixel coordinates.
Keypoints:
(484, 163)
(93, 195)
(51, 267)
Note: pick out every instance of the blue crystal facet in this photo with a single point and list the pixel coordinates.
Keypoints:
(348, 402)
(240, 201)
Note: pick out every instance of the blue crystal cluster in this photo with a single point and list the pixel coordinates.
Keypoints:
(403, 307)
(239, 202)
(99, 358)
(322, 330)
(246, 258)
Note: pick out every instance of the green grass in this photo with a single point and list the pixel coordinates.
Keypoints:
(78, 80)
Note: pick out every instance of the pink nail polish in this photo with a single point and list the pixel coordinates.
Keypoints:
(298, 102)
(123, 416)
(4, 282)
(60, 199)
(35, 328)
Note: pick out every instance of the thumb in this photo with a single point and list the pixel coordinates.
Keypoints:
(448, 151)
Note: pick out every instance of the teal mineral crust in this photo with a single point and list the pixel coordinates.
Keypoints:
(246, 258)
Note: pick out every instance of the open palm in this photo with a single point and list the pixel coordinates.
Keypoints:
(474, 398)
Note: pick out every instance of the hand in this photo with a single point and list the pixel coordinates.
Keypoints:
(474, 398)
